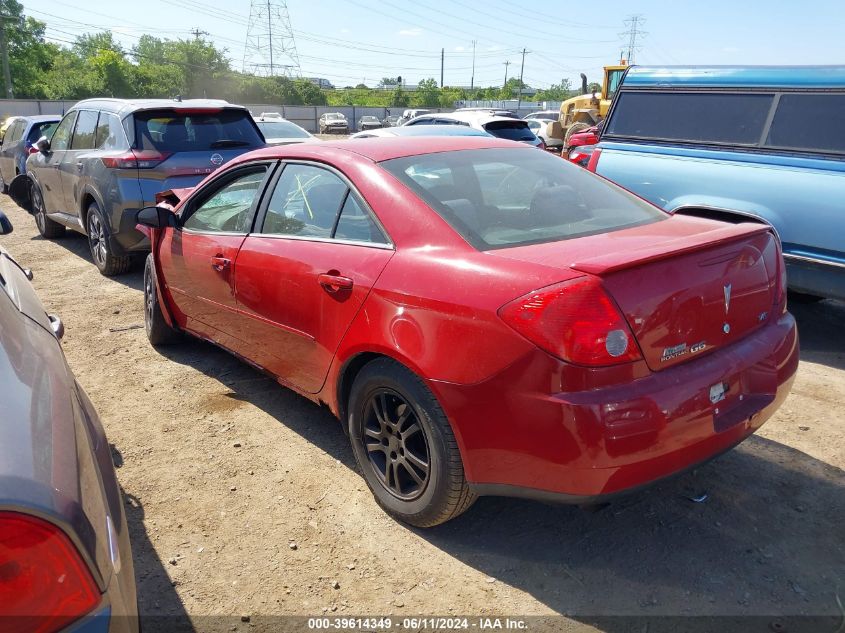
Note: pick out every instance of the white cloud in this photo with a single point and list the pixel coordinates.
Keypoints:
(411, 32)
(459, 49)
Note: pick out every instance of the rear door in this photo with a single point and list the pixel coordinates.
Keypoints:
(179, 147)
(197, 259)
(304, 273)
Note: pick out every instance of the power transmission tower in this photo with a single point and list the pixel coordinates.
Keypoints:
(634, 31)
(505, 85)
(472, 77)
(270, 46)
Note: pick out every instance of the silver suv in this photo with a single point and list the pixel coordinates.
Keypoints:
(108, 158)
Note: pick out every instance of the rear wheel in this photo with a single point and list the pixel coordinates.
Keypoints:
(106, 262)
(158, 331)
(46, 227)
(405, 447)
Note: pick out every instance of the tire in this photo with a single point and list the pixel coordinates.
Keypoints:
(106, 262)
(47, 228)
(802, 297)
(386, 402)
(158, 332)
(575, 128)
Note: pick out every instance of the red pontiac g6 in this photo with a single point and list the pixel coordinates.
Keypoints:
(484, 318)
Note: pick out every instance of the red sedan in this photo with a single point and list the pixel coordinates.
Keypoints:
(484, 318)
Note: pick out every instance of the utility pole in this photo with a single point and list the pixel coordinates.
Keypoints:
(472, 78)
(634, 22)
(442, 60)
(505, 85)
(4, 52)
(270, 37)
(521, 68)
(197, 33)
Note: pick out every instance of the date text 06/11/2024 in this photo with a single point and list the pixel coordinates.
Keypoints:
(415, 623)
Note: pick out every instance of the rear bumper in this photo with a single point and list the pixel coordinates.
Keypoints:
(127, 238)
(518, 439)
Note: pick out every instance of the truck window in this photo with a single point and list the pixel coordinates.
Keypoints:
(811, 122)
(613, 79)
(733, 119)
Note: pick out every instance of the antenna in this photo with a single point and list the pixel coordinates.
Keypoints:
(270, 46)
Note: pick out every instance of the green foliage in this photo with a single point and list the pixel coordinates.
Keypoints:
(96, 65)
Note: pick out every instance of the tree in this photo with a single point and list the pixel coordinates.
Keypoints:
(428, 93)
(556, 92)
(594, 87)
(399, 98)
(361, 87)
(30, 56)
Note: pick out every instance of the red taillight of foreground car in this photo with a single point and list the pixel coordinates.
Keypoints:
(44, 583)
(136, 159)
(576, 321)
(594, 160)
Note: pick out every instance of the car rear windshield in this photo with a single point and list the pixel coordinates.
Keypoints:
(496, 198)
(174, 131)
(510, 130)
(281, 129)
(736, 119)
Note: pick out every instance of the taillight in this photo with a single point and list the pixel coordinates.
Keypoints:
(32, 150)
(136, 159)
(576, 321)
(579, 157)
(594, 159)
(44, 583)
(780, 294)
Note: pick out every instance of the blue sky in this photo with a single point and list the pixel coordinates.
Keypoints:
(353, 41)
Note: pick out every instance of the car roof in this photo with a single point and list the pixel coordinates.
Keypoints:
(123, 107)
(470, 116)
(41, 118)
(735, 76)
(380, 149)
(424, 130)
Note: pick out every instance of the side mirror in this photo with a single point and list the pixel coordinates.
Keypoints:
(5, 224)
(43, 145)
(157, 217)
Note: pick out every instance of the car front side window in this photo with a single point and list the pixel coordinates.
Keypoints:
(61, 137)
(305, 202)
(229, 209)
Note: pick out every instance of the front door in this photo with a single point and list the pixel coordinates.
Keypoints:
(81, 143)
(47, 166)
(198, 258)
(302, 276)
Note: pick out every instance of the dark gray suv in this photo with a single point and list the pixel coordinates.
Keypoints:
(108, 158)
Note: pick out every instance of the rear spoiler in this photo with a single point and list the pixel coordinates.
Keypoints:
(611, 262)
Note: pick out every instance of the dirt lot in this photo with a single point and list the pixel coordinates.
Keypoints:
(243, 498)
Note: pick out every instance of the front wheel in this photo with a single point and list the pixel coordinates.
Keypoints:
(46, 227)
(405, 447)
(106, 262)
(158, 331)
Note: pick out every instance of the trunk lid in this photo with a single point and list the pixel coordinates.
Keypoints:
(686, 288)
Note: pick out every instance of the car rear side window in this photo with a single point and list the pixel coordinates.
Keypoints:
(730, 118)
(496, 198)
(305, 202)
(194, 130)
(510, 130)
(809, 122)
(85, 130)
(109, 132)
(357, 224)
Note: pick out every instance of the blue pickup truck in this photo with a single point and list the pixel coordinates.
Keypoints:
(762, 144)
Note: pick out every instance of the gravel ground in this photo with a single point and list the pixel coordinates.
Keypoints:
(243, 498)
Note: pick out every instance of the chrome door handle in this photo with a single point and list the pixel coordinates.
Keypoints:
(219, 263)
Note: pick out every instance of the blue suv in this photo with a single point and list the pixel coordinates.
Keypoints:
(761, 144)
